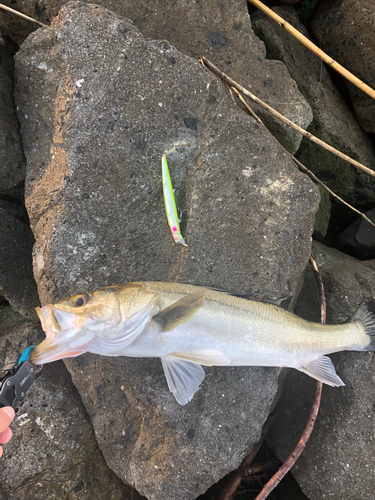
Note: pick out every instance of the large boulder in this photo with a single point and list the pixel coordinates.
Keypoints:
(339, 459)
(220, 31)
(53, 452)
(346, 31)
(103, 104)
(333, 121)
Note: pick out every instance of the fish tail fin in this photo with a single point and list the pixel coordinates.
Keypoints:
(367, 319)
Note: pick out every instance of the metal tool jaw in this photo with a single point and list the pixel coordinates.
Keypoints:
(18, 378)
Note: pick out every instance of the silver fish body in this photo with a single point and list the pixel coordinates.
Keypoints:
(188, 326)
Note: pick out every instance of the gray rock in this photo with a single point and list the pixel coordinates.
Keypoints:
(53, 453)
(104, 104)
(220, 31)
(12, 160)
(347, 33)
(17, 282)
(333, 121)
(339, 460)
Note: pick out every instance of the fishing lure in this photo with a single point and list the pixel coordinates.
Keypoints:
(170, 204)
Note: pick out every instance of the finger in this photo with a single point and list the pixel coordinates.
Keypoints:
(6, 417)
(5, 436)
(1, 451)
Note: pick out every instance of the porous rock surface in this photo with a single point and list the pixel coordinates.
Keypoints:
(346, 31)
(333, 121)
(53, 453)
(104, 105)
(221, 31)
(339, 460)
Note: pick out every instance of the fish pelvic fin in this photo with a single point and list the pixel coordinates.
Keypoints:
(322, 369)
(181, 311)
(183, 377)
(184, 373)
(367, 319)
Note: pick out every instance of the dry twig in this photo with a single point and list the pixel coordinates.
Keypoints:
(4, 7)
(301, 165)
(311, 46)
(282, 118)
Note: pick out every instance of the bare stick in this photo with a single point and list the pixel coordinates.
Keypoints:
(301, 165)
(260, 467)
(307, 43)
(322, 295)
(22, 15)
(282, 118)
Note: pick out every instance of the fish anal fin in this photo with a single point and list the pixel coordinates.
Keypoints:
(206, 357)
(181, 311)
(183, 377)
(322, 369)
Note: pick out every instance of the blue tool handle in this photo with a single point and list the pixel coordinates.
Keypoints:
(25, 356)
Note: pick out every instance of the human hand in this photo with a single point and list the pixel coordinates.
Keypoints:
(6, 417)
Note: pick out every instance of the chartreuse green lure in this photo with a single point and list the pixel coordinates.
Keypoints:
(170, 204)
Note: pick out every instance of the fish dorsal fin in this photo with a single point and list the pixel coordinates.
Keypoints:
(181, 311)
(322, 369)
(183, 377)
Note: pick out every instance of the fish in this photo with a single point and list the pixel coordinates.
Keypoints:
(170, 204)
(188, 327)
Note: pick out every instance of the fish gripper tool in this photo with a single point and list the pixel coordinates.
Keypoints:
(18, 378)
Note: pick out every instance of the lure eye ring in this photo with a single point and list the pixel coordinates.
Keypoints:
(80, 300)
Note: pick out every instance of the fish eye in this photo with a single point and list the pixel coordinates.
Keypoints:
(80, 300)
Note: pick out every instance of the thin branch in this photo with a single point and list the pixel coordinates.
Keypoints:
(305, 169)
(307, 43)
(322, 295)
(259, 467)
(282, 118)
(4, 7)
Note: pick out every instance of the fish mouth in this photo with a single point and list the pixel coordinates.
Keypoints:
(48, 320)
(59, 327)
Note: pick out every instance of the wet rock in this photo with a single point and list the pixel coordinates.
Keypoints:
(104, 105)
(339, 460)
(53, 452)
(333, 121)
(346, 32)
(12, 160)
(220, 31)
(17, 281)
(359, 238)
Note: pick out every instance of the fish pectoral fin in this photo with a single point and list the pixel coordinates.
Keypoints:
(322, 369)
(183, 377)
(206, 357)
(181, 311)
